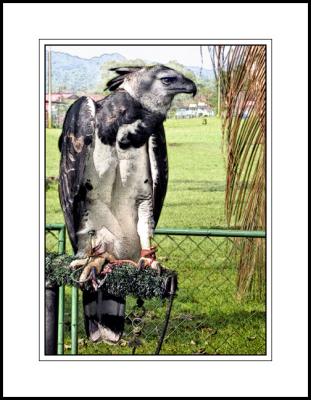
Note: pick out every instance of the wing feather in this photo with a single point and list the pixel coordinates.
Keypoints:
(159, 170)
(74, 144)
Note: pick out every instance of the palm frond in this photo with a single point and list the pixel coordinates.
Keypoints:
(243, 91)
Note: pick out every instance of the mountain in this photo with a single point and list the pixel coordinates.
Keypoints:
(72, 73)
(206, 74)
(75, 74)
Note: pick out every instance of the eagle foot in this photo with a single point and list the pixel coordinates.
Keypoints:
(145, 262)
(92, 266)
(148, 260)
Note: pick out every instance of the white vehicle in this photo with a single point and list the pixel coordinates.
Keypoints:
(194, 111)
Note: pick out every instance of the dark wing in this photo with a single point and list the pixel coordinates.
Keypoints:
(159, 169)
(74, 144)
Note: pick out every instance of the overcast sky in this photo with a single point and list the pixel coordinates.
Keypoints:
(186, 55)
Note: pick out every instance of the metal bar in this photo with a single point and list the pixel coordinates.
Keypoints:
(62, 240)
(55, 227)
(74, 293)
(74, 320)
(60, 335)
(167, 318)
(61, 295)
(210, 232)
(193, 232)
(172, 291)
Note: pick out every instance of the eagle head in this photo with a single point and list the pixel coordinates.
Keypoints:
(154, 87)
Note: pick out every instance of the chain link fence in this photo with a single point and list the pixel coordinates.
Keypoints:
(206, 318)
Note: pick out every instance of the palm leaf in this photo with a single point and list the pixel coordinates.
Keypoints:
(243, 98)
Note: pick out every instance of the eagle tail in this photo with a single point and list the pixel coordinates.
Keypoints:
(104, 316)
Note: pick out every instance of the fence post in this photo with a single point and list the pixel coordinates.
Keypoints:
(60, 336)
(61, 296)
(51, 301)
(74, 320)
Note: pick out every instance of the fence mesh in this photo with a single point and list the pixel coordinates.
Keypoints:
(206, 317)
(52, 240)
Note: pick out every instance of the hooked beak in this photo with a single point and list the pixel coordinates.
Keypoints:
(194, 90)
(188, 86)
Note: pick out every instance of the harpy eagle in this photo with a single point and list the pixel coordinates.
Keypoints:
(113, 180)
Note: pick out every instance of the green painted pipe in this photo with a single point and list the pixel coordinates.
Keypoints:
(54, 227)
(61, 295)
(211, 232)
(60, 334)
(222, 232)
(74, 320)
(62, 240)
(159, 231)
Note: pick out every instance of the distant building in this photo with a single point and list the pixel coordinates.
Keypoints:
(60, 104)
(61, 97)
(205, 110)
(183, 113)
(194, 111)
(96, 97)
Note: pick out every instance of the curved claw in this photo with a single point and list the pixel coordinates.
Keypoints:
(157, 266)
(144, 262)
(92, 266)
(75, 264)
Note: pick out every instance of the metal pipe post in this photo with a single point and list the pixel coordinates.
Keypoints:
(60, 335)
(74, 320)
(51, 301)
(61, 297)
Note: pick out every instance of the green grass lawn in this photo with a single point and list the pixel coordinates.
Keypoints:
(206, 317)
(195, 196)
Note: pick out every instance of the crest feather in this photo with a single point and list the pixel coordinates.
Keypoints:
(122, 72)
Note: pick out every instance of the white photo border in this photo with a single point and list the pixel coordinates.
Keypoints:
(146, 42)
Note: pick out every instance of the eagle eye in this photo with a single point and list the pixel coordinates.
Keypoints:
(168, 80)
